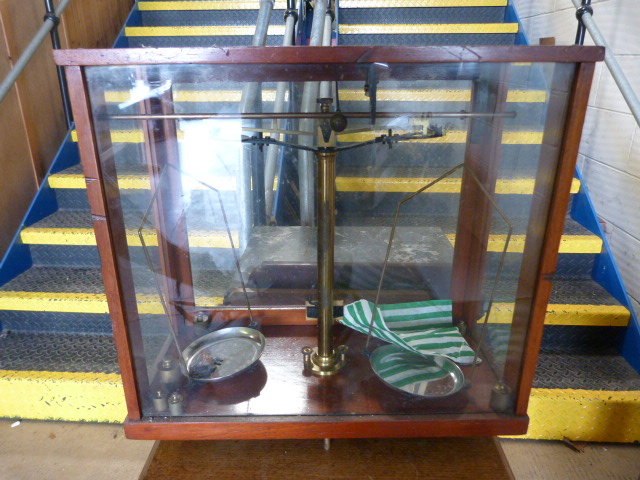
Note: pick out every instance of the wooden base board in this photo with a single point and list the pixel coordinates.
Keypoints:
(443, 458)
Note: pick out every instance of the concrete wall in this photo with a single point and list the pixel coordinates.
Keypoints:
(610, 150)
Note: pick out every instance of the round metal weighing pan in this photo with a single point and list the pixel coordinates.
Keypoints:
(238, 348)
(426, 376)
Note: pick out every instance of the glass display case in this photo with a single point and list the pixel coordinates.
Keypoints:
(328, 242)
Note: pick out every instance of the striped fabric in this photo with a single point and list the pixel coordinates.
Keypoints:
(402, 371)
(425, 328)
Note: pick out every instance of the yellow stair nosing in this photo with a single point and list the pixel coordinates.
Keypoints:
(95, 303)
(447, 185)
(86, 237)
(421, 3)
(347, 95)
(428, 28)
(581, 415)
(451, 136)
(584, 244)
(343, 184)
(137, 182)
(199, 31)
(206, 5)
(449, 28)
(67, 396)
(557, 314)
(576, 315)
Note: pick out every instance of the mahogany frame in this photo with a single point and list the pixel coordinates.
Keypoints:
(324, 62)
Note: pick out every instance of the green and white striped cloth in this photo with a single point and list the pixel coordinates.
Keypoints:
(425, 328)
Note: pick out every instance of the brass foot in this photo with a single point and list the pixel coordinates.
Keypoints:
(324, 365)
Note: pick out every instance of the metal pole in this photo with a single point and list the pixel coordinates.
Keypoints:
(271, 164)
(326, 234)
(309, 104)
(251, 94)
(325, 87)
(62, 78)
(311, 115)
(31, 49)
(585, 7)
(614, 67)
(325, 359)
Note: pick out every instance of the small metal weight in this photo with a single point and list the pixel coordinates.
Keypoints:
(159, 400)
(169, 371)
(502, 398)
(176, 403)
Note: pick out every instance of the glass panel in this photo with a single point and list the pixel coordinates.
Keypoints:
(226, 190)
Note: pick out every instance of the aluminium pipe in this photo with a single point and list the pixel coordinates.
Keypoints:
(312, 115)
(273, 151)
(30, 51)
(309, 104)
(614, 67)
(325, 87)
(251, 94)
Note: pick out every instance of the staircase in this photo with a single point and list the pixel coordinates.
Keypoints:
(57, 357)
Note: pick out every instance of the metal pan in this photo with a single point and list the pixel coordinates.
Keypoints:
(427, 376)
(223, 354)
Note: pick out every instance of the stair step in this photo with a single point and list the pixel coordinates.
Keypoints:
(346, 95)
(451, 136)
(81, 290)
(60, 377)
(348, 4)
(410, 15)
(73, 227)
(206, 17)
(428, 28)
(347, 180)
(199, 36)
(48, 289)
(199, 5)
(596, 370)
(59, 352)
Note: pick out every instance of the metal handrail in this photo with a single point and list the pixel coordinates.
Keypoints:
(584, 16)
(49, 24)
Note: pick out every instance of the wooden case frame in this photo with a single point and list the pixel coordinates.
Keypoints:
(529, 316)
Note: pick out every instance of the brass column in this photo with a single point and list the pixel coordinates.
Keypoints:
(325, 359)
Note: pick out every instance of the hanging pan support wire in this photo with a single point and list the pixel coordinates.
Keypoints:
(498, 274)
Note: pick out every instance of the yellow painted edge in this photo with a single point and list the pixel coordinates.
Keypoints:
(206, 5)
(568, 314)
(584, 415)
(279, 5)
(344, 184)
(568, 243)
(350, 95)
(420, 3)
(580, 415)
(86, 237)
(82, 302)
(451, 136)
(136, 182)
(89, 397)
(428, 28)
(198, 31)
(447, 185)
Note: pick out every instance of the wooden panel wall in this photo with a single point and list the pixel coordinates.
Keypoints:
(94, 23)
(31, 117)
(17, 182)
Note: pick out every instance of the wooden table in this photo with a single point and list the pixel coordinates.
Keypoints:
(371, 459)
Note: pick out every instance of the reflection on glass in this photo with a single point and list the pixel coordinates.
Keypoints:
(222, 201)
